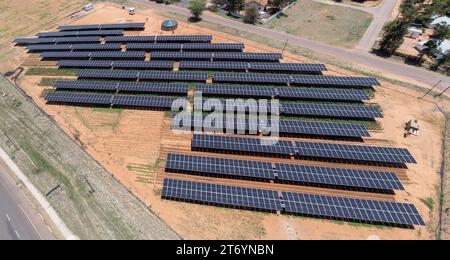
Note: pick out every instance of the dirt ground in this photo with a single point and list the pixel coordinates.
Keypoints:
(130, 143)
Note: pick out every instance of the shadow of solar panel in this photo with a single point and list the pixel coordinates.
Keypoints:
(209, 65)
(244, 145)
(85, 63)
(370, 211)
(355, 152)
(155, 46)
(251, 78)
(108, 74)
(143, 101)
(229, 196)
(80, 33)
(247, 56)
(184, 38)
(337, 111)
(219, 166)
(335, 81)
(93, 39)
(77, 98)
(287, 67)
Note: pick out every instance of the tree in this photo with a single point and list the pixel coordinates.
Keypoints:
(393, 35)
(197, 7)
(279, 3)
(429, 48)
(442, 60)
(441, 33)
(252, 13)
(235, 5)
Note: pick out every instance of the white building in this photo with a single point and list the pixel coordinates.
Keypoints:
(443, 48)
(439, 20)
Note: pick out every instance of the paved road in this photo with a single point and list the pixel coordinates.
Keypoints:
(18, 219)
(361, 57)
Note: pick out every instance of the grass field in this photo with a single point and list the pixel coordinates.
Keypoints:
(339, 26)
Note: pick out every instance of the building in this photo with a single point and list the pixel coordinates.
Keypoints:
(439, 21)
(443, 48)
(413, 33)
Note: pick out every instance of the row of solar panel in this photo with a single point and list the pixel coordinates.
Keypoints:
(80, 33)
(204, 65)
(284, 127)
(124, 26)
(97, 55)
(311, 150)
(340, 208)
(110, 100)
(161, 39)
(137, 87)
(89, 39)
(280, 172)
(74, 47)
(308, 80)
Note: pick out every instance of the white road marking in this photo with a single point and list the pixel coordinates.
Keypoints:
(7, 217)
(10, 222)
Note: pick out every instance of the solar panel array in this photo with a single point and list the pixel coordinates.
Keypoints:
(326, 110)
(368, 211)
(244, 66)
(168, 65)
(137, 55)
(110, 100)
(185, 46)
(216, 56)
(161, 39)
(74, 47)
(283, 93)
(143, 75)
(304, 149)
(286, 67)
(137, 87)
(124, 26)
(88, 39)
(280, 172)
(80, 33)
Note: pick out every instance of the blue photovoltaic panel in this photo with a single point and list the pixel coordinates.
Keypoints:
(325, 110)
(371, 211)
(248, 56)
(210, 65)
(125, 26)
(355, 152)
(237, 144)
(80, 33)
(65, 55)
(126, 39)
(181, 55)
(117, 64)
(184, 38)
(177, 76)
(291, 173)
(323, 129)
(85, 63)
(251, 78)
(143, 101)
(304, 149)
(140, 87)
(335, 81)
(287, 67)
(93, 55)
(213, 47)
(77, 98)
(60, 47)
(155, 46)
(214, 194)
(89, 39)
(282, 93)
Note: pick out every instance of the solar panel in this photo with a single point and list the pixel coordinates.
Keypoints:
(95, 55)
(177, 76)
(116, 64)
(140, 87)
(354, 152)
(248, 56)
(214, 194)
(125, 26)
(323, 129)
(59, 47)
(237, 144)
(130, 39)
(85, 64)
(282, 93)
(335, 81)
(143, 101)
(213, 47)
(155, 46)
(181, 55)
(93, 39)
(371, 211)
(65, 55)
(77, 98)
(184, 38)
(335, 111)
(80, 33)
(251, 78)
(303, 149)
(209, 65)
(292, 173)
(287, 67)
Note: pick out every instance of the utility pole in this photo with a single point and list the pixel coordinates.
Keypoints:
(428, 92)
(285, 45)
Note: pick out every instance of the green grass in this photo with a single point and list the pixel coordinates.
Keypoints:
(49, 82)
(334, 25)
(50, 72)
